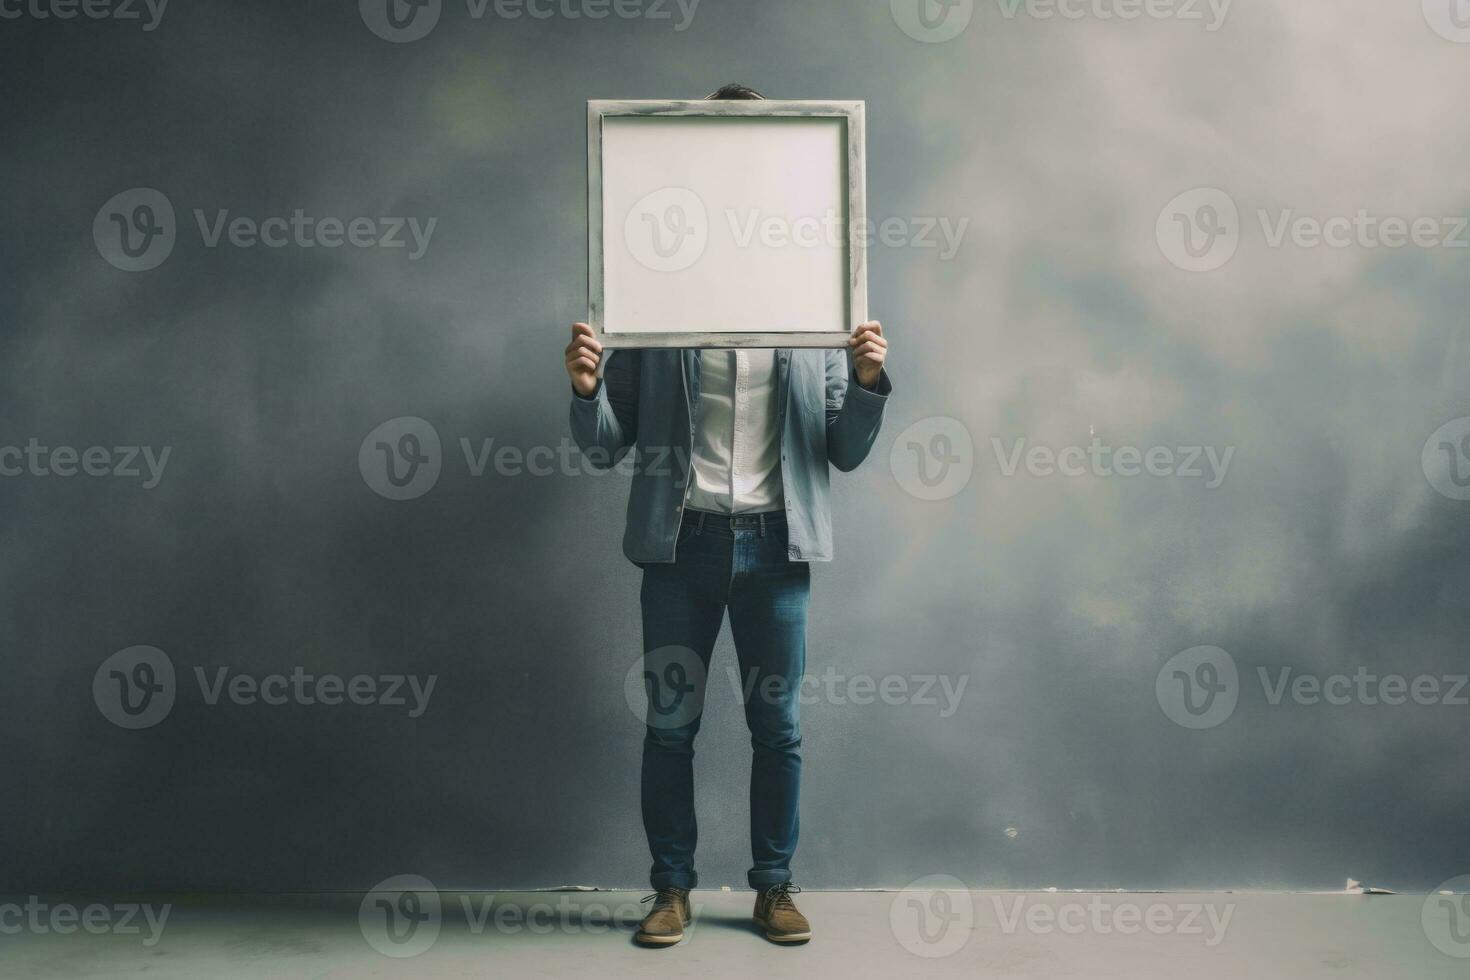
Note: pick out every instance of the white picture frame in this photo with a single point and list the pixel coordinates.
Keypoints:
(726, 224)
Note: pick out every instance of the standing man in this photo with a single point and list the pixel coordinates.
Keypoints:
(730, 501)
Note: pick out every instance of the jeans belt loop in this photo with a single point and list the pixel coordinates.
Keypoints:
(700, 528)
(763, 525)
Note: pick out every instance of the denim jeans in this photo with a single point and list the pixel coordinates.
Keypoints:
(739, 564)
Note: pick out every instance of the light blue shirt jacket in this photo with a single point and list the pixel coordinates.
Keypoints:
(648, 402)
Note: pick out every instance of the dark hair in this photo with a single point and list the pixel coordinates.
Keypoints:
(734, 91)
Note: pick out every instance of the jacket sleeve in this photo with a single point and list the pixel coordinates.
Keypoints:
(605, 425)
(854, 414)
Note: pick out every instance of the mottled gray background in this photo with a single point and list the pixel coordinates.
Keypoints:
(1325, 550)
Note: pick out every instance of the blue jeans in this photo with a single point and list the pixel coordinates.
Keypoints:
(739, 564)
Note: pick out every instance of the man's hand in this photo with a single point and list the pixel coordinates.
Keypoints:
(583, 355)
(869, 350)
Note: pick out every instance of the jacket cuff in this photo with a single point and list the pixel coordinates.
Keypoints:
(591, 399)
(876, 396)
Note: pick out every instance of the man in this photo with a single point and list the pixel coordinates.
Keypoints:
(730, 501)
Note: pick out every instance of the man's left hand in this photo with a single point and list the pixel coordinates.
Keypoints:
(869, 350)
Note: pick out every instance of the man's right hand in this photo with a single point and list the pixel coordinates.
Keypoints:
(583, 355)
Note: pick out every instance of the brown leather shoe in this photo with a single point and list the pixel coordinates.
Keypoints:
(776, 915)
(664, 926)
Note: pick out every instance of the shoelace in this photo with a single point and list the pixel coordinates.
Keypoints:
(780, 895)
(661, 900)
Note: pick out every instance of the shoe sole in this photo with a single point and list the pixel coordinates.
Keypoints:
(643, 940)
(778, 937)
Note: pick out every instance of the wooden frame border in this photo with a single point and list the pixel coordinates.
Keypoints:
(857, 216)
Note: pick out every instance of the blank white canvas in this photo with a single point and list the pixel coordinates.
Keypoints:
(764, 192)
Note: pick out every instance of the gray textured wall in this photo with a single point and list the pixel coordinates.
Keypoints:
(1057, 600)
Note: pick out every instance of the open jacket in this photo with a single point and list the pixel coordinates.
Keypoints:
(649, 400)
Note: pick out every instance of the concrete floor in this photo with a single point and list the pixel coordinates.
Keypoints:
(857, 934)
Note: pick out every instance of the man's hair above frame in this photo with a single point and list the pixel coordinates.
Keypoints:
(734, 91)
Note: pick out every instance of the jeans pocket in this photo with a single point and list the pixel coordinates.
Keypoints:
(686, 530)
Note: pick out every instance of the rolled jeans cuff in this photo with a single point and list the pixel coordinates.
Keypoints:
(686, 880)
(761, 880)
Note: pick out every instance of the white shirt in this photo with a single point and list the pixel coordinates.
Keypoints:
(737, 443)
